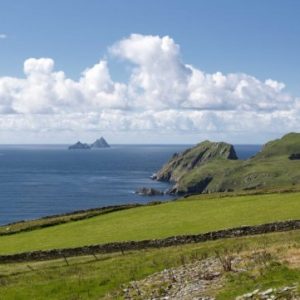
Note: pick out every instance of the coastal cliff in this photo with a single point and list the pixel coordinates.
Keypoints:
(193, 158)
(214, 167)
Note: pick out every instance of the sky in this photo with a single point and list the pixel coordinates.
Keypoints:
(141, 71)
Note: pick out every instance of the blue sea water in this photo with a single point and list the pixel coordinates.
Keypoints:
(36, 181)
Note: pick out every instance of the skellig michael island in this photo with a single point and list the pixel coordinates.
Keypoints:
(99, 143)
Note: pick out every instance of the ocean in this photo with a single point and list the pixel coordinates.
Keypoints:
(41, 180)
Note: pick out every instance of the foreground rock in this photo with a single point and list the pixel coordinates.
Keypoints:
(196, 280)
(205, 279)
(79, 146)
(100, 143)
(287, 292)
(213, 167)
(148, 192)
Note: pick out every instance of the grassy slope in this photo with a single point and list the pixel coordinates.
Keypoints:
(269, 168)
(86, 278)
(287, 145)
(59, 219)
(172, 218)
(274, 276)
(210, 169)
(276, 171)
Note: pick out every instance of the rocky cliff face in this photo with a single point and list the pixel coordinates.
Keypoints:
(214, 167)
(193, 158)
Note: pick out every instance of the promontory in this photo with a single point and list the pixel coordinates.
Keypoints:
(214, 167)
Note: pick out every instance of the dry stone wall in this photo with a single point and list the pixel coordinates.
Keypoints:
(157, 243)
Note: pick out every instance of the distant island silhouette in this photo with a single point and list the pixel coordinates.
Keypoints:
(99, 143)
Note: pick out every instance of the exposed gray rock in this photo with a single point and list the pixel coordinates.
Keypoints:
(148, 192)
(200, 280)
(187, 282)
(284, 293)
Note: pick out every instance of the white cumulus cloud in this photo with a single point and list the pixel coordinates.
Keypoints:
(163, 94)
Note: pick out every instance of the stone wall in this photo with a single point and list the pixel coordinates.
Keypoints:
(158, 243)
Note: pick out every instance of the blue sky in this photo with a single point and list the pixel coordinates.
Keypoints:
(258, 38)
(255, 37)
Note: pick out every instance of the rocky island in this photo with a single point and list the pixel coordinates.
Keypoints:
(144, 191)
(100, 143)
(214, 167)
(79, 146)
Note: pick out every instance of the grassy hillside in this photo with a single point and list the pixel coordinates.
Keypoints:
(195, 215)
(87, 278)
(60, 219)
(287, 145)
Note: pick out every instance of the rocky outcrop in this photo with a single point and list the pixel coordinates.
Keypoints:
(182, 168)
(294, 156)
(205, 278)
(100, 143)
(148, 192)
(79, 146)
(194, 280)
(193, 158)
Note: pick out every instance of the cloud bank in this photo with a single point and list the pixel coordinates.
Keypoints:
(162, 94)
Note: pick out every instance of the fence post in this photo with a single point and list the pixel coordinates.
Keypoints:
(66, 260)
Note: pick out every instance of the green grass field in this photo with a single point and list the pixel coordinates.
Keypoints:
(194, 215)
(87, 278)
